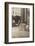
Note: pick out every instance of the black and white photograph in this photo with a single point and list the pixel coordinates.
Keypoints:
(19, 22)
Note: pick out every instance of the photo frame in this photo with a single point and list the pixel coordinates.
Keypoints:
(19, 22)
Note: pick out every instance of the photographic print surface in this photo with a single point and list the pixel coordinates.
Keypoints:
(19, 22)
